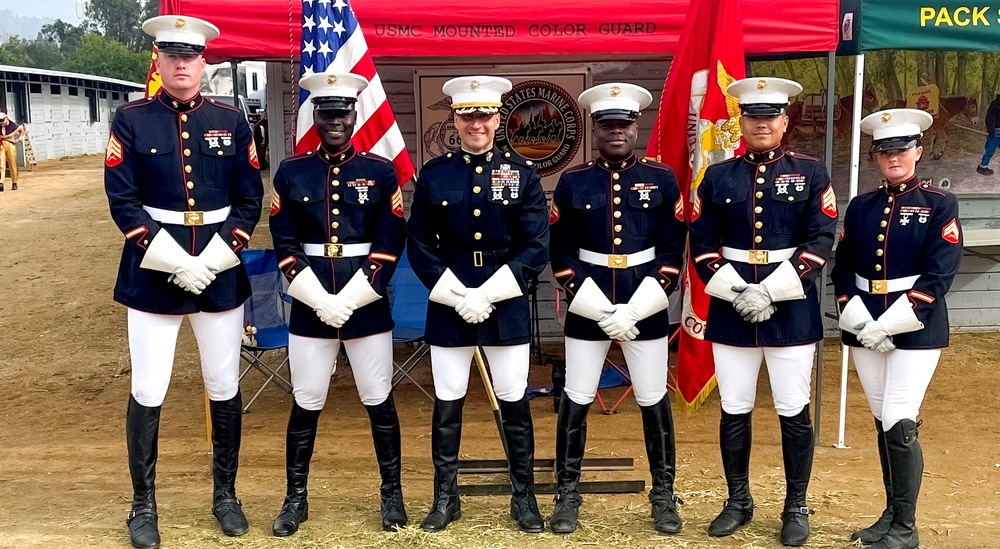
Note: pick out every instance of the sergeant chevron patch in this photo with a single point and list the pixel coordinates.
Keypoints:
(950, 232)
(397, 202)
(830, 202)
(113, 156)
(252, 155)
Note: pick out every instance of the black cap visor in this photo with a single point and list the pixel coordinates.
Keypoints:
(615, 114)
(763, 110)
(180, 48)
(334, 103)
(897, 143)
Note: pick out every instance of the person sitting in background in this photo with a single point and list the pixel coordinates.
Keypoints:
(992, 136)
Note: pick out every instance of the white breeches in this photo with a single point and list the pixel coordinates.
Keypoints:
(508, 369)
(152, 339)
(788, 368)
(895, 382)
(646, 361)
(314, 360)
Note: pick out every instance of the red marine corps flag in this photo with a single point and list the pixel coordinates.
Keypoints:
(698, 125)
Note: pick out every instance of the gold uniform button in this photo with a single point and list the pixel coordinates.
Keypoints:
(505, 202)
(587, 206)
(305, 199)
(887, 210)
(477, 189)
(879, 253)
(570, 284)
(190, 202)
(336, 171)
(235, 243)
(184, 118)
(615, 176)
(762, 169)
(185, 135)
(802, 267)
(477, 212)
(220, 153)
(890, 199)
(617, 215)
(760, 180)
(187, 152)
(478, 236)
(878, 267)
(334, 239)
(645, 204)
(883, 223)
(372, 267)
(758, 239)
(618, 228)
(335, 183)
(758, 225)
(618, 200)
(444, 202)
(479, 169)
(759, 194)
(758, 209)
(728, 200)
(335, 197)
(335, 225)
(293, 272)
(187, 169)
(617, 241)
(145, 242)
(152, 151)
(881, 237)
(190, 184)
(617, 187)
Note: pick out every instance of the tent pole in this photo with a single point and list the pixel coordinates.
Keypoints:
(276, 144)
(831, 75)
(236, 84)
(859, 85)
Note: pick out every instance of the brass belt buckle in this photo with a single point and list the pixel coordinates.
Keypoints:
(757, 257)
(477, 259)
(333, 250)
(880, 287)
(194, 219)
(617, 261)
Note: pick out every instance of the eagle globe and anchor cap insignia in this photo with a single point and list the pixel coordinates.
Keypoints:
(541, 122)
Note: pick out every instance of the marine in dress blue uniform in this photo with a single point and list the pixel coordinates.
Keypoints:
(762, 231)
(618, 237)
(898, 254)
(182, 179)
(478, 233)
(338, 230)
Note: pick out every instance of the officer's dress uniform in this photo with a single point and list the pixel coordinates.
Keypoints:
(764, 218)
(183, 175)
(898, 254)
(615, 226)
(475, 219)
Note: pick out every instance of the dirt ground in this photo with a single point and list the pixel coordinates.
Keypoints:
(63, 470)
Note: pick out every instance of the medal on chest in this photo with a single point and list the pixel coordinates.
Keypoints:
(787, 181)
(920, 213)
(644, 190)
(361, 186)
(505, 181)
(218, 138)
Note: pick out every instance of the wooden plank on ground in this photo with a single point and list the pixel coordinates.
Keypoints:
(484, 466)
(585, 487)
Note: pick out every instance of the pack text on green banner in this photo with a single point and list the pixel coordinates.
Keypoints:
(943, 25)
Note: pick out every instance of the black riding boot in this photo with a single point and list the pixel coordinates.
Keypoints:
(735, 435)
(658, 429)
(875, 532)
(906, 466)
(446, 436)
(227, 422)
(385, 435)
(571, 440)
(520, 434)
(299, 442)
(142, 427)
(797, 451)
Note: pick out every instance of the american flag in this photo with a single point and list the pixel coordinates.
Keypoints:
(332, 42)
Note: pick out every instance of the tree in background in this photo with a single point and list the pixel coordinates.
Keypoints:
(100, 56)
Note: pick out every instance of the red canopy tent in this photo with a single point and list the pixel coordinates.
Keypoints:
(585, 29)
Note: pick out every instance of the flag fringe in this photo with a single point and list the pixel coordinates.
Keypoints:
(699, 399)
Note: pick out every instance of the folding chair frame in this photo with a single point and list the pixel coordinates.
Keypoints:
(402, 371)
(253, 357)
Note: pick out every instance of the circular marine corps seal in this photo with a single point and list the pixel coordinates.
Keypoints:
(541, 122)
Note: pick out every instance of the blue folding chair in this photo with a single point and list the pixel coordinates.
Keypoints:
(267, 312)
(409, 312)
